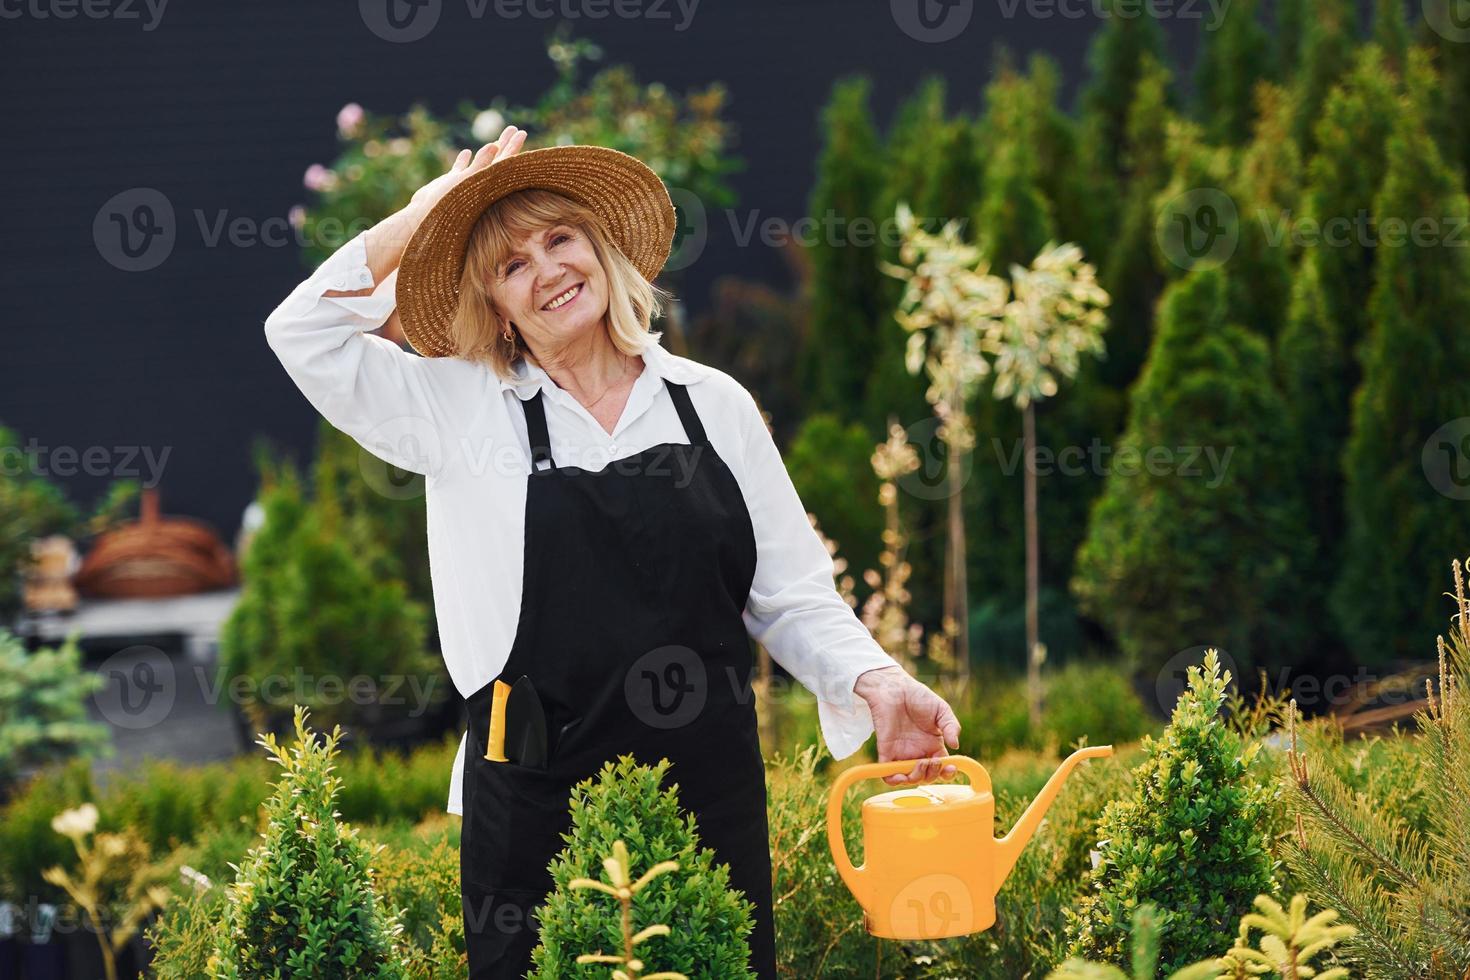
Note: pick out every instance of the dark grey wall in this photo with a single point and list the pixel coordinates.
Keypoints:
(220, 107)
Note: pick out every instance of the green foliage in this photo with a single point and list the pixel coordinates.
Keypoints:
(1234, 56)
(312, 608)
(1398, 871)
(1190, 839)
(1288, 944)
(1208, 549)
(1416, 379)
(829, 463)
(1144, 940)
(625, 802)
(847, 288)
(304, 901)
(43, 707)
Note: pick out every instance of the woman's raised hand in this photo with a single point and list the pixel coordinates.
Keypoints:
(430, 194)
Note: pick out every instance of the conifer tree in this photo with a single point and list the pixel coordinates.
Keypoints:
(1179, 553)
(1402, 885)
(1329, 35)
(1191, 838)
(1234, 56)
(847, 293)
(303, 903)
(1416, 379)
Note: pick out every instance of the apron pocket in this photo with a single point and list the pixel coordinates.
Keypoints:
(515, 827)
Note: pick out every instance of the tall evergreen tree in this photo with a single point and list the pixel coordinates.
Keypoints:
(1416, 379)
(847, 292)
(1391, 33)
(1183, 551)
(1286, 37)
(1327, 315)
(1130, 269)
(1447, 39)
(1233, 58)
(1116, 60)
(1329, 35)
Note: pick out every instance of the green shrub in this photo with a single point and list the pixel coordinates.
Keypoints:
(304, 901)
(1191, 839)
(1399, 873)
(709, 921)
(43, 707)
(312, 607)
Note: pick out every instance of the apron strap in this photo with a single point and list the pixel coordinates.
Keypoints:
(535, 411)
(693, 428)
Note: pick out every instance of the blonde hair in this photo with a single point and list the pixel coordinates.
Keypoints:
(476, 329)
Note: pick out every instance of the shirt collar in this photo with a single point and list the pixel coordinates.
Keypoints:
(661, 363)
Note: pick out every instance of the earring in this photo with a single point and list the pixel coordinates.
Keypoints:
(508, 335)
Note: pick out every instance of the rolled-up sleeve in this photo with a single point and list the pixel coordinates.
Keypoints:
(384, 397)
(794, 609)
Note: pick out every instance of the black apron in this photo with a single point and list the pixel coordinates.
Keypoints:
(635, 578)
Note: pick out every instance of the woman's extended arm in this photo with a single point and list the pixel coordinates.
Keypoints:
(387, 399)
(796, 613)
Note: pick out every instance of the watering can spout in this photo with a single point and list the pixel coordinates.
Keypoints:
(1008, 848)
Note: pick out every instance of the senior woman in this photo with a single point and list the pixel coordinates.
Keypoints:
(608, 523)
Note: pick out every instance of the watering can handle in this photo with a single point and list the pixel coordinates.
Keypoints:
(979, 778)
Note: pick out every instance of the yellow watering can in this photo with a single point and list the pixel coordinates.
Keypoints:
(932, 864)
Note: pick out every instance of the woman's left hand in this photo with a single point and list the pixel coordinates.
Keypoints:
(912, 722)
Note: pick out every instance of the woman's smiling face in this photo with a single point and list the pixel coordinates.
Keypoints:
(552, 286)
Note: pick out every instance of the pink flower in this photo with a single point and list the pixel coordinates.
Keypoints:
(319, 178)
(349, 120)
(297, 217)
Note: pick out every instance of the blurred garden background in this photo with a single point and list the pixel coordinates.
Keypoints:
(1206, 268)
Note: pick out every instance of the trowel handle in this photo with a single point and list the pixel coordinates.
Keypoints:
(979, 778)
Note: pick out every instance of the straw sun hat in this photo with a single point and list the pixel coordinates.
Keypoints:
(629, 197)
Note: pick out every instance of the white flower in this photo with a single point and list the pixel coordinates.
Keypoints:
(76, 823)
(487, 125)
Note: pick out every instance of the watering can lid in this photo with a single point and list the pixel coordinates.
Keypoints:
(937, 803)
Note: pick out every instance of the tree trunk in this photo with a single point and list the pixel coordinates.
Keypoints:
(1033, 573)
(957, 600)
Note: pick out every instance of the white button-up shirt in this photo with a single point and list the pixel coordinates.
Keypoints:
(461, 426)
